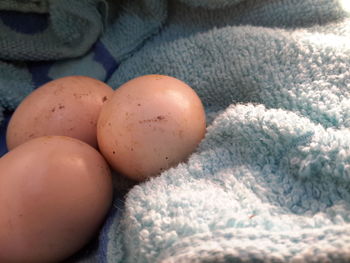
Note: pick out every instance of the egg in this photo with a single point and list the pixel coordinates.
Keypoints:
(54, 194)
(68, 106)
(150, 124)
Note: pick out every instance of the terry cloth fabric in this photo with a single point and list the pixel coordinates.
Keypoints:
(270, 182)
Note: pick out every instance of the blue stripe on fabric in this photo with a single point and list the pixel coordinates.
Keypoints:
(40, 72)
(26, 23)
(3, 126)
(102, 56)
(113, 216)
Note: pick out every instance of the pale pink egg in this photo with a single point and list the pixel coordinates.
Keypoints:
(55, 192)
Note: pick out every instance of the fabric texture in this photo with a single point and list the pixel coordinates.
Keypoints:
(270, 182)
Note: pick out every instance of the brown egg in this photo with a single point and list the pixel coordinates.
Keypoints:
(150, 124)
(67, 106)
(54, 194)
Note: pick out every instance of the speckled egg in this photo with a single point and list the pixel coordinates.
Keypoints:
(68, 106)
(150, 124)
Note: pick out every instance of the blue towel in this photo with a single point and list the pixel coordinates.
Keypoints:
(270, 182)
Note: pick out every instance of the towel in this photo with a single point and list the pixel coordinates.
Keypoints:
(270, 182)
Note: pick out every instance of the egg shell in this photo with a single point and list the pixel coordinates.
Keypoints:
(54, 194)
(150, 124)
(68, 106)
